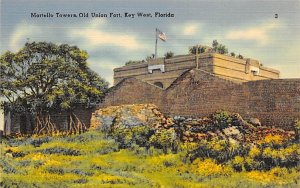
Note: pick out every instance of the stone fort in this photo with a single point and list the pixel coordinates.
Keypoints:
(163, 72)
(198, 85)
(194, 86)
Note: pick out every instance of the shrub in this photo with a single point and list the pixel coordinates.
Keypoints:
(59, 150)
(39, 141)
(82, 180)
(15, 153)
(222, 119)
(6, 166)
(220, 150)
(238, 163)
(55, 170)
(81, 173)
(210, 168)
(24, 163)
(165, 139)
(135, 135)
(168, 55)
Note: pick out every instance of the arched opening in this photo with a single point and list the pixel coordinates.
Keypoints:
(159, 84)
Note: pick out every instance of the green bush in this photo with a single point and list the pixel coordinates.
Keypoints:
(55, 170)
(222, 119)
(6, 166)
(220, 150)
(59, 150)
(165, 139)
(39, 141)
(139, 135)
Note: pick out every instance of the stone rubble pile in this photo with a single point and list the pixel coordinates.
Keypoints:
(187, 129)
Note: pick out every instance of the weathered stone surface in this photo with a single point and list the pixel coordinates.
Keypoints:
(254, 121)
(127, 116)
(187, 129)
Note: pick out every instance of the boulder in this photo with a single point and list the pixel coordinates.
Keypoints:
(127, 116)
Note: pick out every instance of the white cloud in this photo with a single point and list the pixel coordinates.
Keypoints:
(95, 36)
(191, 29)
(103, 64)
(260, 34)
(22, 32)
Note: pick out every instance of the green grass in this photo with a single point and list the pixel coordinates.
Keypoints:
(94, 160)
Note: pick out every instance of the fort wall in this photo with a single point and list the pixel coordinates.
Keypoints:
(199, 93)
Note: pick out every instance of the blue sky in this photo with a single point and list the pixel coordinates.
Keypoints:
(245, 27)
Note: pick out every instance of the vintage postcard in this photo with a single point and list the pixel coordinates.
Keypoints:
(149, 93)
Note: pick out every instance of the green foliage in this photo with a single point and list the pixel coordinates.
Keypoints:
(232, 54)
(165, 139)
(201, 49)
(139, 135)
(6, 166)
(59, 150)
(55, 170)
(240, 56)
(39, 141)
(222, 118)
(220, 150)
(148, 58)
(219, 48)
(140, 167)
(42, 76)
(169, 54)
(130, 62)
(36, 142)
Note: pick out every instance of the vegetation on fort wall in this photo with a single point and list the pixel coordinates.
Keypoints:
(216, 47)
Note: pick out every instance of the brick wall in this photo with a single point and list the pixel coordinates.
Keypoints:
(199, 93)
(133, 91)
(24, 123)
(60, 118)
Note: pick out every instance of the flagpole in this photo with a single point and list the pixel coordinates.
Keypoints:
(155, 43)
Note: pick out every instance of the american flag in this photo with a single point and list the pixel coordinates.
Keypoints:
(161, 35)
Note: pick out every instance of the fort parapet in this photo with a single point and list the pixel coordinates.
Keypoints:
(163, 72)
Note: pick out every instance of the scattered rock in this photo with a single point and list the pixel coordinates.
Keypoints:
(187, 129)
(231, 131)
(254, 121)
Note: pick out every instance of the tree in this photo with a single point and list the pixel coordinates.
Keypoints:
(219, 48)
(232, 54)
(44, 76)
(169, 54)
(201, 49)
(222, 49)
(240, 56)
(215, 45)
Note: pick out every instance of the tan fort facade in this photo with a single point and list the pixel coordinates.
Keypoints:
(163, 72)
